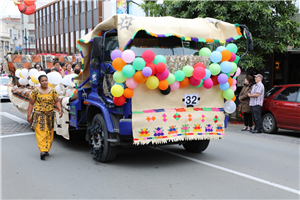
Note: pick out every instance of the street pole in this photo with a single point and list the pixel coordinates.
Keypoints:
(25, 38)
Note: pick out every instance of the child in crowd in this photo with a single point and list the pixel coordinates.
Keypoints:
(69, 69)
(76, 68)
(56, 64)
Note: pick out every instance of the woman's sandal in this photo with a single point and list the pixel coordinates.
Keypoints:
(244, 129)
(43, 155)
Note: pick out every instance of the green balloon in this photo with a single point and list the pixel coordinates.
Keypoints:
(179, 75)
(119, 77)
(214, 68)
(200, 84)
(234, 68)
(188, 70)
(205, 51)
(139, 63)
(159, 58)
(232, 47)
(228, 94)
(236, 61)
(234, 77)
(228, 74)
(171, 79)
(128, 71)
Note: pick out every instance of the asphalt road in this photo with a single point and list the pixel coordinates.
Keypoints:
(242, 166)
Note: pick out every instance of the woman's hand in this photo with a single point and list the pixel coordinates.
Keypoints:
(29, 119)
(60, 114)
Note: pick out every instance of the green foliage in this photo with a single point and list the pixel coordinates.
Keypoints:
(270, 22)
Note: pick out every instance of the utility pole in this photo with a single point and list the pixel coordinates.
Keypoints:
(25, 38)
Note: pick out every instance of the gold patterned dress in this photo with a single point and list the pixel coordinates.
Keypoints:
(43, 118)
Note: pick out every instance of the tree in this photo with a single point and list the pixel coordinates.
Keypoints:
(270, 22)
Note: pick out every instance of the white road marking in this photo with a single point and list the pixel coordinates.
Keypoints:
(17, 135)
(233, 172)
(13, 117)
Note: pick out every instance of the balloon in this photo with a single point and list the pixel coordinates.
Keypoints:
(215, 80)
(171, 79)
(208, 83)
(233, 82)
(56, 78)
(224, 86)
(185, 82)
(199, 64)
(33, 80)
(130, 82)
(128, 93)
(128, 71)
(215, 57)
(232, 47)
(207, 74)
(58, 89)
(117, 90)
(204, 51)
(226, 67)
(119, 77)
(38, 74)
(220, 48)
(163, 85)
(232, 58)
(164, 75)
(238, 72)
(160, 67)
(65, 80)
(229, 106)
(167, 91)
(158, 59)
(20, 75)
(24, 73)
(147, 71)
(152, 82)
(194, 82)
(51, 85)
(234, 98)
(148, 56)
(201, 83)
(233, 87)
(116, 54)
(70, 79)
(228, 94)
(120, 84)
(236, 61)
(68, 92)
(222, 78)
(230, 81)
(175, 86)
(139, 77)
(128, 56)
(228, 74)
(23, 81)
(199, 73)
(188, 70)
(234, 68)
(17, 73)
(179, 75)
(31, 83)
(33, 72)
(226, 55)
(214, 68)
(119, 101)
(153, 67)
(139, 64)
(118, 64)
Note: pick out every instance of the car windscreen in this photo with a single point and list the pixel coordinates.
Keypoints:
(272, 91)
(4, 81)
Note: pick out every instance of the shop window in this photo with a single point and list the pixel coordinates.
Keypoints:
(95, 4)
(82, 6)
(89, 5)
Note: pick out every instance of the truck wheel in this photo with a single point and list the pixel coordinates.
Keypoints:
(269, 123)
(196, 146)
(98, 135)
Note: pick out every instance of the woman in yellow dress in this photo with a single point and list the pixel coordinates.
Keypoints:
(42, 120)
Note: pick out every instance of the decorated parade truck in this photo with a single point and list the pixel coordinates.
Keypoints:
(148, 81)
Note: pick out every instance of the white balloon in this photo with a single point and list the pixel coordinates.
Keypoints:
(33, 72)
(38, 74)
(58, 90)
(57, 79)
(65, 80)
(17, 73)
(70, 82)
(31, 83)
(24, 73)
(68, 92)
(23, 81)
(229, 106)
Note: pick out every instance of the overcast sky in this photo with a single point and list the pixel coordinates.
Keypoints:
(7, 7)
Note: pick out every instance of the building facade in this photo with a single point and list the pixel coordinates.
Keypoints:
(28, 34)
(60, 23)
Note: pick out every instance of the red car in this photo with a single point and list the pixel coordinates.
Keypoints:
(281, 108)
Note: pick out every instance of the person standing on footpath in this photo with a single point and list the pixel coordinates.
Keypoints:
(244, 105)
(256, 101)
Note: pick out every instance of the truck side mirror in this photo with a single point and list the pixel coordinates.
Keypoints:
(97, 47)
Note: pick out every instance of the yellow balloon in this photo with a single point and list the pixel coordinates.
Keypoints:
(117, 90)
(152, 82)
(17, 72)
(33, 79)
(21, 74)
(51, 85)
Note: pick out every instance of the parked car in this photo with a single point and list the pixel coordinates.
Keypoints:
(281, 108)
(3, 87)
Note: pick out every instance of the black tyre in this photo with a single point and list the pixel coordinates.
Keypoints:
(196, 146)
(98, 135)
(269, 123)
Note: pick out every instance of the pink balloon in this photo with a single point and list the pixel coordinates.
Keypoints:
(233, 57)
(238, 71)
(233, 81)
(193, 81)
(233, 87)
(130, 82)
(162, 76)
(199, 73)
(128, 56)
(175, 85)
(208, 83)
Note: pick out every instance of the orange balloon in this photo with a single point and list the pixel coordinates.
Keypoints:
(139, 77)
(230, 81)
(128, 93)
(163, 85)
(185, 82)
(234, 98)
(118, 64)
(226, 55)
